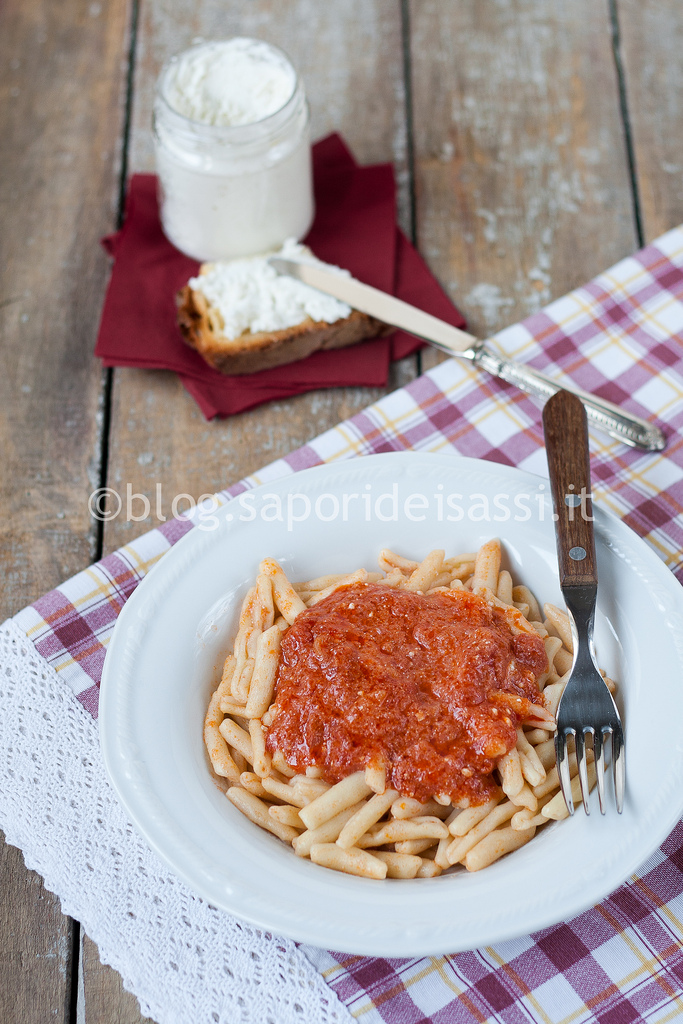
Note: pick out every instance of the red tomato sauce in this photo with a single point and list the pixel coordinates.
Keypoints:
(373, 675)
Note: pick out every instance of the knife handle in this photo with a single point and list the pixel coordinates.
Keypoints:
(630, 430)
(566, 442)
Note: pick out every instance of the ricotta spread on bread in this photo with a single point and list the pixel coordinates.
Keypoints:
(251, 297)
(241, 316)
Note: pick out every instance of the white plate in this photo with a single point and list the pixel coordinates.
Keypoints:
(173, 633)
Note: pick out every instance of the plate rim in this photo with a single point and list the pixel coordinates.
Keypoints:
(182, 549)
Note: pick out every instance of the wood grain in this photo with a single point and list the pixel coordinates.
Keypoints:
(350, 55)
(522, 192)
(162, 456)
(62, 92)
(61, 105)
(565, 429)
(35, 947)
(105, 999)
(651, 33)
(348, 52)
(522, 186)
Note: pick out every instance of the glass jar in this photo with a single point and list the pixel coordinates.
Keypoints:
(233, 190)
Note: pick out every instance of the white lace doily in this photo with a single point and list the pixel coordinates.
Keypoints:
(186, 961)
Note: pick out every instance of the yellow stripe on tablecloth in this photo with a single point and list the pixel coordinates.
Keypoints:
(435, 965)
(668, 551)
(676, 1012)
(350, 444)
(630, 474)
(528, 993)
(60, 666)
(623, 285)
(642, 475)
(614, 332)
(662, 907)
(500, 403)
(103, 587)
(665, 301)
(616, 335)
(648, 964)
(647, 967)
(107, 588)
(614, 286)
(670, 555)
(142, 564)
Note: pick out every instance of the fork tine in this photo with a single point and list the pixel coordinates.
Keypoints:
(599, 753)
(583, 770)
(585, 705)
(562, 758)
(619, 766)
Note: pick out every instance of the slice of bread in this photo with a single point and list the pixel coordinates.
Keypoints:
(202, 326)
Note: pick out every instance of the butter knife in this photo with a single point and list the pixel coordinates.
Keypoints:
(631, 430)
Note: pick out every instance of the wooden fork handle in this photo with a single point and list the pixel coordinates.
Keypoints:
(566, 442)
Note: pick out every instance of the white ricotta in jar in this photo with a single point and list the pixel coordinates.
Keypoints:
(233, 150)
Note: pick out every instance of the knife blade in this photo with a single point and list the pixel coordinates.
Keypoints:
(631, 430)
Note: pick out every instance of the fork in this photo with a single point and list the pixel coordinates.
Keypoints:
(586, 709)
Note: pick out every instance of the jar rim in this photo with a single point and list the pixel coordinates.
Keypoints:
(232, 131)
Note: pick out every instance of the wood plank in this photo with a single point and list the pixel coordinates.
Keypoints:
(350, 54)
(61, 85)
(521, 175)
(36, 964)
(651, 34)
(345, 50)
(105, 999)
(156, 452)
(60, 119)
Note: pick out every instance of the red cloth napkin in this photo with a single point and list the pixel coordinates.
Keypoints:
(354, 227)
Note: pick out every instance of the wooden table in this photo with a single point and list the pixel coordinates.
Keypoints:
(535, 143)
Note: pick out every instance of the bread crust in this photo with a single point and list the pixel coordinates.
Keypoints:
(201, 328)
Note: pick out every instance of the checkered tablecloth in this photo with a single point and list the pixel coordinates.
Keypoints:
(621, 337)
